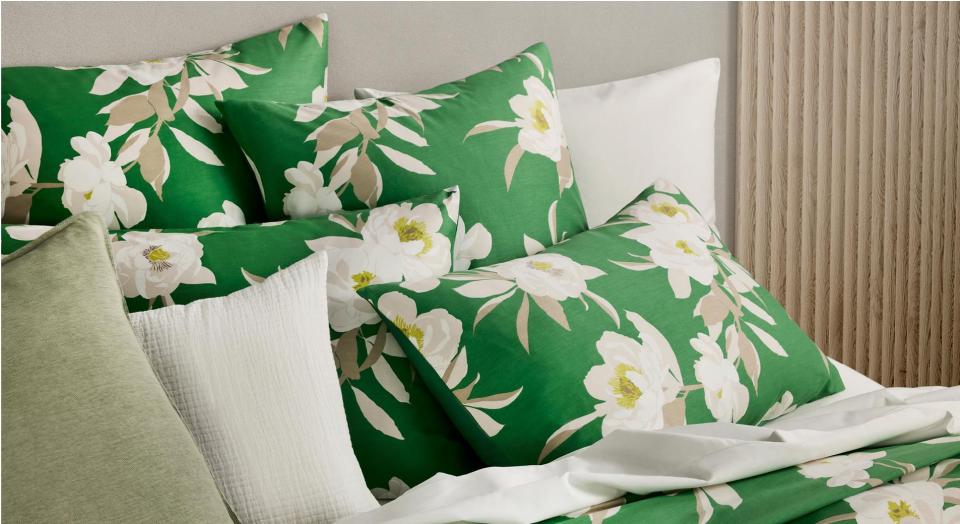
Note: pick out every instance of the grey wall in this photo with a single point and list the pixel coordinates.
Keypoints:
(405, 45)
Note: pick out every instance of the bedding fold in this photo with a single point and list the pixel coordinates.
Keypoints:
(696, 456)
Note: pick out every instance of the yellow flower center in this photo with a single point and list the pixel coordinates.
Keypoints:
(411, 330)
(88, 195)
(413, 230)
(682, 245)
(362, 279)
(541, 266)
(666, 209)
(158, 258)
(624, 388)
(539, 119)
(900, 510)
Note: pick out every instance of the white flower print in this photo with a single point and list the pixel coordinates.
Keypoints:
(912, 503)
(93, 182)
(232, 216)
(22, 148)
(309, 196)
(350, 270)
(436, 333)
(470, 245)
(725, 396)
(633, 383)
(144, 73)
(411, 234)
(538, 115)
(27, 233)
(842, 470)
(152, 265)
(548, 275)
(664, 209)
(681, 252)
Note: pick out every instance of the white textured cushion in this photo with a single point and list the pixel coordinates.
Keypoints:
(624, 135)
(250, 378)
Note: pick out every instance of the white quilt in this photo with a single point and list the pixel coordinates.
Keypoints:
(687, 457)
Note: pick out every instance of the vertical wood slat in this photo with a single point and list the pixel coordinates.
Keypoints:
(848, 185)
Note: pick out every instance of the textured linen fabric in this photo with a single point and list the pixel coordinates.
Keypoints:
(497, 134)
(247, 375)
(643, 323)
(400, 433)
(623, 135)
(142, 144)
(88, 433)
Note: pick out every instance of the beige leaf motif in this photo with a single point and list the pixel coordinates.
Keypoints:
(335, 133)
(553, 309)
(565, 169)
(376, 416)
(154, 164)
(523, 316)
(513, 158)
(184, 93)
(346, 352)
(751, 361)
(366, 181)
(359, 120)
(315, 25)
(130, 110)
(157, 97)
(565, 432)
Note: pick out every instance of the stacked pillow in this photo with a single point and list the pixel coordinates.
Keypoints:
(644, 322)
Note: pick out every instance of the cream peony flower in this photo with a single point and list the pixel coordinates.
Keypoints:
(633, 383)
(22, 148)
(92, 182)
(725, 396)
(27, 233)
(435, 333)
(151, 265)
(309, 196)
(913, 503)
(782, 407)
(144, 73)
(411, 234)
(681, 252)
(232, 216)
(548, 275)
(539, 120)
(664, 209)
(842, 470)
(350, 270)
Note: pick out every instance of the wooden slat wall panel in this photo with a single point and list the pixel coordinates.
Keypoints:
(848, 186)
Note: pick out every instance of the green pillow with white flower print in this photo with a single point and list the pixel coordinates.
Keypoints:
(142, 145)
(400, 434)
(643, 323)
(497, 134)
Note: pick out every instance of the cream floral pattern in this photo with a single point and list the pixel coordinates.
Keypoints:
(152, 265)
(726, 397)
(546, 279)
(435, 333)
(22, 148)
(309, 196)
(94, 182)
(231, 216)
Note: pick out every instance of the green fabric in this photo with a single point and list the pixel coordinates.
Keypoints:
(126, 142)
(497, 134)
(88, 433)
(901, 484)
(644, 322)
(397, 429)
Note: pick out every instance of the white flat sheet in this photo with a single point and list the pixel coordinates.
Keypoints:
(647, 461)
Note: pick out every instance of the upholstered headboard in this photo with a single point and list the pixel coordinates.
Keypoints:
(403, 45)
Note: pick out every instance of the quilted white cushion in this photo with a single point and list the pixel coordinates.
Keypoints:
(262, 400)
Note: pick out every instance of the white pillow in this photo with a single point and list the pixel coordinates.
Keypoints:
(624, 135)
(261, 399)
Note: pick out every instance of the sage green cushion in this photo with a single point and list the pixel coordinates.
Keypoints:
(143, 145)
(643, 323)
(88, 432)
(399, 432)
(497, 134)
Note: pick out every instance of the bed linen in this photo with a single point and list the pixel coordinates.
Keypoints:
(888, 455)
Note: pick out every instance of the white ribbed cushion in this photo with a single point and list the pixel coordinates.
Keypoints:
(251, 379)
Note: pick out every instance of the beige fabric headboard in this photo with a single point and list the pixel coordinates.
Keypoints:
(403, 45)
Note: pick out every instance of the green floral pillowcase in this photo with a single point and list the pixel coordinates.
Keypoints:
(400, 434)
(143, 145)
(497, 134)
(643, 323)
